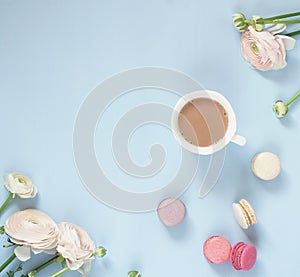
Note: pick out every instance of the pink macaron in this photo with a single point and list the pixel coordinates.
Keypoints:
(217, 250)
(243, 256)
(171, 212)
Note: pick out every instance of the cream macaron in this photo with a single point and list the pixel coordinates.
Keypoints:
(266, 166)
(244, 213)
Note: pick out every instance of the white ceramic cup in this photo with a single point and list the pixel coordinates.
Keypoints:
(230, 135)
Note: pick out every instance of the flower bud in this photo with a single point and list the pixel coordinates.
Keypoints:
(280, 109)
(60, 259)
(239, 22)
(257, 23)
(100, 252)
(134, 274)
(32, 273)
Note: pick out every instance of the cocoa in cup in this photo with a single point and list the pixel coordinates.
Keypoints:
(204, 122)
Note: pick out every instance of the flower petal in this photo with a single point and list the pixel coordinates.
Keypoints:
(275, 28)
(85, 268)
(75, 245)
(32, 228)
(289, 42)
(22, 253)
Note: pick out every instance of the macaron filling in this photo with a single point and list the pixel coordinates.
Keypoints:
(244, 213)
(249, 211)
(236, 254)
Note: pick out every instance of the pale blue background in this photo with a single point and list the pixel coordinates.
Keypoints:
(53, 53)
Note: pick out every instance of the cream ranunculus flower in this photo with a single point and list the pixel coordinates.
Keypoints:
(76, 246)
(19, 185)
(265, 50)
(32, 229)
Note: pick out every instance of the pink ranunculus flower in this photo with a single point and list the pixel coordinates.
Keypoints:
(75, 245)
(32, 229)
(265, 50)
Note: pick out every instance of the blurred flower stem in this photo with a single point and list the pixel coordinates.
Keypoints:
(293, 33)
(56, 259)
(100, 252)
(10, 197)
(7, 262)
(60, 272)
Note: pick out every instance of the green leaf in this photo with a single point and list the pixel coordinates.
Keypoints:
(11, 273)
(10, 244)
(2, 230)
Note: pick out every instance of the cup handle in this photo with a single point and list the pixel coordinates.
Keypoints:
(239, 140)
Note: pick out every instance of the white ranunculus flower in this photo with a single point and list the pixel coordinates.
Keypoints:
(19, 185)
(32, 229)
(76, 246)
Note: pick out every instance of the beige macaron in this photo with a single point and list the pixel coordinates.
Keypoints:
(244, 213)
(266, 166)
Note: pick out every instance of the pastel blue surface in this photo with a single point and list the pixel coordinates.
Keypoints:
(53, 53)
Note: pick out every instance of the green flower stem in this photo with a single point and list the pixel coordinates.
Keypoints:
(283, 16)
(60, 272)
(7, 262)
(276, 21)
(6, 202)
(293, 34)
(293, 99)
(44, 265)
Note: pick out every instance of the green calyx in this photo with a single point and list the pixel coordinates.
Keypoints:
(239, 22)
(100, 252)
(134, 273)
(257, 23)
(280, 109)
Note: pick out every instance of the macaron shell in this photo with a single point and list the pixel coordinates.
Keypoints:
(217, 250)
(266, 166)
(171, 212)
(240, 216)
(248, 257)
